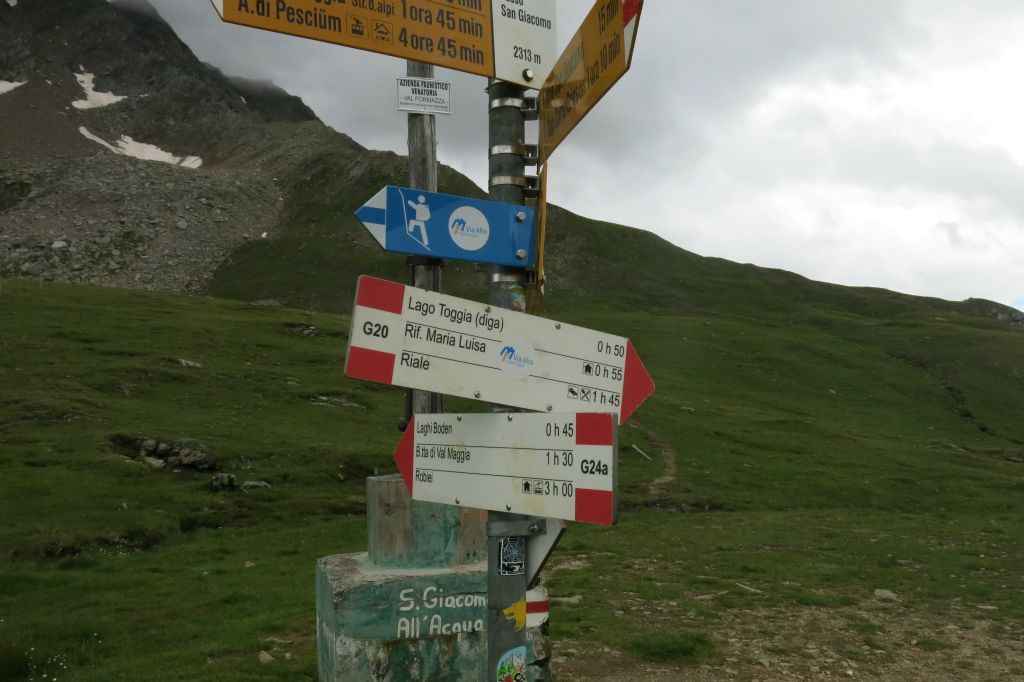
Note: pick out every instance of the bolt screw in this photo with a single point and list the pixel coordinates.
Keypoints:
(521, 254)
(528, 75)
(458, 417)
(457, 501)
(487, 309)
(521, 216)
(510, 417)
(535, 528)
(477, 394)
(508, 507)
(558, 325)
(549, 408)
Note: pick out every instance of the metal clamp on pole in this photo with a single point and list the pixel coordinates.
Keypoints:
(516, 102)
(528, 105)
(531, 111)
(530, 153)
(503, 180)
(530, 184)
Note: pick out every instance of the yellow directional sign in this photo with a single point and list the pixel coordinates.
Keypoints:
(457, 34)
(597, 56)
(454, 34)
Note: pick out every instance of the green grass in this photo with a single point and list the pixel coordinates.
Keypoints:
(120, 571)
(670, 646)
(828, 442)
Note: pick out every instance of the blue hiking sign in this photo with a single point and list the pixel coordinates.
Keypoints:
(448, 227)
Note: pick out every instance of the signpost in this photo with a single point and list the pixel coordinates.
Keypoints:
(443, 226)
(511, 41)
(559, 465)
(596, 57)
(409, 337)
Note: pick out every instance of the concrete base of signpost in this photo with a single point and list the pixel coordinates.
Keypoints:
(384, 617)
(408, 625)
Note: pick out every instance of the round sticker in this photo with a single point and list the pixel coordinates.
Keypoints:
(516, 357)
(469, 228)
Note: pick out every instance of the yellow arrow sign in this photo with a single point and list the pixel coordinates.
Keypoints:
(456, 35)
(597, 56)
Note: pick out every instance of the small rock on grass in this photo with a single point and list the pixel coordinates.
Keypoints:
(222, 482)
(265, 658)
(154, 462)
(256, 484)
(886, 595)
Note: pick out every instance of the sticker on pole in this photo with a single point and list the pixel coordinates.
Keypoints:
(512, 666)
(513, 557)
(409, 337)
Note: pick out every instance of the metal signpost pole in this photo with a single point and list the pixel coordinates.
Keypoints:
(506, 551)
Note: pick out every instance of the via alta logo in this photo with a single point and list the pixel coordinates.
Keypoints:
(469, 228)
(509, 355)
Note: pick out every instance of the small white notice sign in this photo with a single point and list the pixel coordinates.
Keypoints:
(424, 96)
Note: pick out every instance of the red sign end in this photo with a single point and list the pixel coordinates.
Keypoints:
(595, 506)
(403, 454)
(637, 384)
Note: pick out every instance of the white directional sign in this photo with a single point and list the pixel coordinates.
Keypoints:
(524, 40)
(409, 337)
(559, 465)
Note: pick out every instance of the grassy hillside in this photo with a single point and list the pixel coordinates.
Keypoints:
(809, 453)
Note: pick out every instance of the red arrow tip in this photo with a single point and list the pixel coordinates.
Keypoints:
(631, 8)
(403, 454)
(637, 384)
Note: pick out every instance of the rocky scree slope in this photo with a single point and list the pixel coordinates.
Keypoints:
(100, 84)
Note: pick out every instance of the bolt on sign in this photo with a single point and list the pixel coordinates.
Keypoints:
(512, 40)
(595, 59)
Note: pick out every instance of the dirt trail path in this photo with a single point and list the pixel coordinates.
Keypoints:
(810, 643)
(658, 488)
(872, 640)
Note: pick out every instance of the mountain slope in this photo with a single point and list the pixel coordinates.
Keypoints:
(103, 84)
(792, 468)
(808, 444)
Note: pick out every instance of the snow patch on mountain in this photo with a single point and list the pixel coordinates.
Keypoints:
(7, 86)
(93, 99)
(126, 146)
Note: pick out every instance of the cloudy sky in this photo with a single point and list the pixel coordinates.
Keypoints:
(863, 142)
